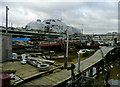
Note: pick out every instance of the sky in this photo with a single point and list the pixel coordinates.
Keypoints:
(96, 17)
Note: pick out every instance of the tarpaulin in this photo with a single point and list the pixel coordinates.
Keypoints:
(20, 39)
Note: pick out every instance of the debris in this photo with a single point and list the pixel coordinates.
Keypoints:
(5, 78)
(43, 67)
(42, 60)
(23, 59)
(14, 55)
(12, 76)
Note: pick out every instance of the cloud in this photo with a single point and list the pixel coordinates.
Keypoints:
(98, 17)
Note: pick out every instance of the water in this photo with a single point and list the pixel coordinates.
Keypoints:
(113, 82)
(114, 78)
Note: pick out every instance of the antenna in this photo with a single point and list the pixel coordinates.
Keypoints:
(82, 28)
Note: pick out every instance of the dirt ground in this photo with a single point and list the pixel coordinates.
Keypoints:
(27, 69)
(21, 70)
(72, 58)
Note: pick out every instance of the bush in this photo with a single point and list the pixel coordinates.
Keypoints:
(10, 71)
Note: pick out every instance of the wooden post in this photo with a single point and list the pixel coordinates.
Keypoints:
(91, 71)
(106, 76)
(97, 70)
(78, 62)
(84, 78)
(78, 79)
(72, 74)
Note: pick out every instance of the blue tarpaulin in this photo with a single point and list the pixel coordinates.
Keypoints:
(19, 39)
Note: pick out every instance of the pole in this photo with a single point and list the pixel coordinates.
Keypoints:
(66, 58)
(11, 25)
(80, 38)
(78, 62)
(82, 29)
(6, 20)
(72, 74)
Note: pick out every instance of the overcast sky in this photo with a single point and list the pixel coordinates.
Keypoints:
(97, 17)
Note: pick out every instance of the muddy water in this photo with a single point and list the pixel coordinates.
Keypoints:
(114, 76)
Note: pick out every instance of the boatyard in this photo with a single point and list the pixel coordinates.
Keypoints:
(29, 75)
(72, 49)
(32, 62)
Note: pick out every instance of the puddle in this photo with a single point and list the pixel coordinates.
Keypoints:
(113, 82)
(114, 78)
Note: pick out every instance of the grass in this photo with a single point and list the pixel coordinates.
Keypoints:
(72, 57)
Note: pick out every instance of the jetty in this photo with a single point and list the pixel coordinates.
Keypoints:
(61, 76)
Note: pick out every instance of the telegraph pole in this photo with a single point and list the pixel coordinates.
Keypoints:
(82, 29)
(7, 19)
(66, 58)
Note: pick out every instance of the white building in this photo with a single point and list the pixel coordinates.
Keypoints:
(35, 25)
(51, 25)
(55, 25)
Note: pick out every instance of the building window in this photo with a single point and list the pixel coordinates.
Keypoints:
(53, 20)
(61, 27)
